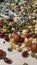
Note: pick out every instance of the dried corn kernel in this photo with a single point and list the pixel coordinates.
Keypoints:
(4, 30)
(12, 40)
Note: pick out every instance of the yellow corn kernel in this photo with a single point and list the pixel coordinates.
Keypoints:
(12, 45)
(4, 30)
(15, 6)
(30, 27)
(12, 40)
(34, 11)
(33, 16)
(36, 30)
(11, 6)
(10, 23)
(26, 49)
(30, 39)
(3, 19)
(12, 34)
(19, 14)
(20, 3)
(36, 25)
(23, 45)
(34, 40)
(24, 32)
(26, 40)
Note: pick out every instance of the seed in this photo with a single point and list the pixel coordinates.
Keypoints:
(28, 35)
(2, 54)
(6, 38)
(21, 39)
(9, 49)
(32, 54)
(35, 56)
(19, 50)
(25, 54)
(7, 60)
(2, 35)
(25, 64)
